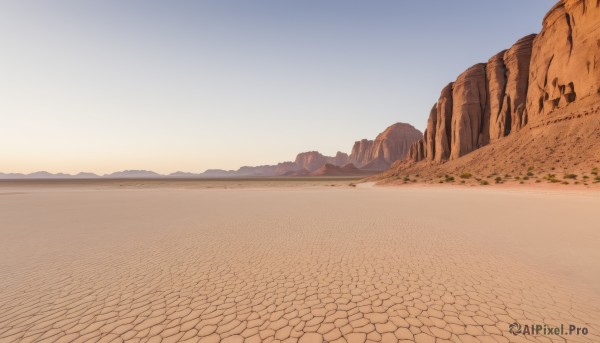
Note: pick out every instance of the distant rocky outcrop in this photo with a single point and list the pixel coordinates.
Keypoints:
(332, 170)
(389, 146)
(133, 174)
(541, 80)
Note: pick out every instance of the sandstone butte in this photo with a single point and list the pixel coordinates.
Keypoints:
(391, 145)
(533, 105)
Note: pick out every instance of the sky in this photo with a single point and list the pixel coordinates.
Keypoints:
(101, 86)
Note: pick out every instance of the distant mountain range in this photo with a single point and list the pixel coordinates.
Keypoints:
(367, 157)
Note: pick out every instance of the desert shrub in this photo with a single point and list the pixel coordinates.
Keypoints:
(529, 173)
(565, 182)
(484, 183)
(526, 178)
(465, 175)
(498, 179)
(570, 176)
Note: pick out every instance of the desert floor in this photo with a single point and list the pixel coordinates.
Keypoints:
(310, 263)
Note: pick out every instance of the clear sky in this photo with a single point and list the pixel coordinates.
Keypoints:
(105, 85)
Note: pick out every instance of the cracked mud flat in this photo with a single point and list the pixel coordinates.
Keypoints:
(296, 265)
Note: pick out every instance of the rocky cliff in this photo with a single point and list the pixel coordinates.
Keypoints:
(389, 146)
(551, 74)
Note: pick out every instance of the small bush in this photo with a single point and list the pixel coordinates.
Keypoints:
(565, 182)
(465, 175)
(484, 183)
(498, 179)
(570, 176)
(529, 173)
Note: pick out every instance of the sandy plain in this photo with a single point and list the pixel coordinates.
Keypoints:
(137, 261)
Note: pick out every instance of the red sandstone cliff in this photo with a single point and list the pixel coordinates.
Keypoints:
(539, 82)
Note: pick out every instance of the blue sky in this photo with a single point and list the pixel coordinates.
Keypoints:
(189, 85)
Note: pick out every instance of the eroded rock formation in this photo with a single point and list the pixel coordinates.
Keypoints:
(565, 64)
(469, 108)
(389, 146)
(536, 76)
(429, 135)
(444, 124)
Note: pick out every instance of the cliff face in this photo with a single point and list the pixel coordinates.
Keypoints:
(443, 124)
(313, 160)
(536, 76)
(565, 66)
(469, 110)
(389, 146)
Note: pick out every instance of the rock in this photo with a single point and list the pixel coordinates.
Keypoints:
(516, 61)
(340, 159)
(389, 146)
(469, 96)
(443, 124)
(417, 151)
(332, 170)
(311, 160)
(565, 61)
(429, 135)
(496, 77)
(361, 152)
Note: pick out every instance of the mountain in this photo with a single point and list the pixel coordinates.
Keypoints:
(46, 175)
(534, 106)
(367, 157)
(389, 146)
(133, 174)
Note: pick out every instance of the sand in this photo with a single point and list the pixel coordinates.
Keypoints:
(177, 263)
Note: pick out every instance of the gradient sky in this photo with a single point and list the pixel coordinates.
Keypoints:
(104, 85)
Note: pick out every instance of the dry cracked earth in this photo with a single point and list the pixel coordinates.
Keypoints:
(321, 265)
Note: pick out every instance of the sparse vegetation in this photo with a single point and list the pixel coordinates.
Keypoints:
(484, 183)
(449, 178)
(465, 175)
(570, 176)
(498, 179)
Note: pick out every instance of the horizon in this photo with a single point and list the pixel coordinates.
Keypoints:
(106, 87)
